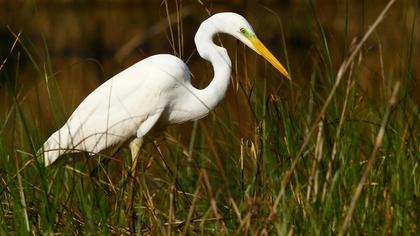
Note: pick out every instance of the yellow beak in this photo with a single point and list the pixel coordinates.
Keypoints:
(263, 51)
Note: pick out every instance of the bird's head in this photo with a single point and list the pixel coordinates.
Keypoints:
(237, 26)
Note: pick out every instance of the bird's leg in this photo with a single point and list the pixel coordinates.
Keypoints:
(135, 146)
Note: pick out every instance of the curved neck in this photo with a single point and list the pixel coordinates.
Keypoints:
(218, 57)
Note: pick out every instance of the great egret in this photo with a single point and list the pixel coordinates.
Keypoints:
(153, 93)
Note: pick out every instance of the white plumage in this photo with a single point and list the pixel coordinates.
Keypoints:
(153, 93)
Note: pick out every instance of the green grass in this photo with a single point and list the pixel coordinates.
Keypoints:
(289, 163)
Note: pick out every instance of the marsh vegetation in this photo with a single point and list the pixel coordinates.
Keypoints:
(334, 151)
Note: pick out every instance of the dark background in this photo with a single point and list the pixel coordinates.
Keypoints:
(83, 43)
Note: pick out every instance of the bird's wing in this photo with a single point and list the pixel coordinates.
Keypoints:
(115, 110)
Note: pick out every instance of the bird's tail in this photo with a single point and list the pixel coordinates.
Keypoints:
(52, 149)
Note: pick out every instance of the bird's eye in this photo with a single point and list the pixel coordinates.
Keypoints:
(243, 30)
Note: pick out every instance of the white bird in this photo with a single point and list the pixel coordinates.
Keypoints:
(152, 94)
